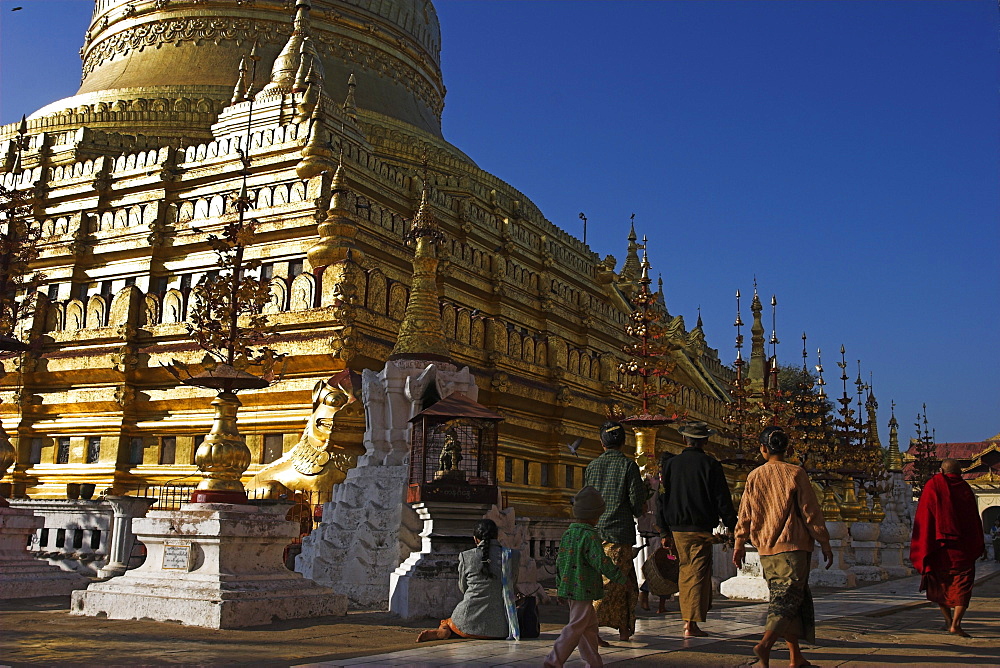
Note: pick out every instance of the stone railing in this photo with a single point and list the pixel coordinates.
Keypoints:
(76, 534)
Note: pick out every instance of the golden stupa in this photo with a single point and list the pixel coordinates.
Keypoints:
(341, 101)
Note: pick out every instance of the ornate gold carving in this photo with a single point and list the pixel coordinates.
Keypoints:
(124, 395)
(125, 359)
(500, 382)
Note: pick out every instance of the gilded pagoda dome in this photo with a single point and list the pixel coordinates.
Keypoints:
(172, 64)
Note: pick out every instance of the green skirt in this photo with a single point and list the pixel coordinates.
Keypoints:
(790, 611)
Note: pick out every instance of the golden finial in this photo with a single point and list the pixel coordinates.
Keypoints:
(317, 155)
(350, 106)
(304, 69)
(821, 383)
(240, 90)
(287, 64)
(895, 457)
(758, 357)
(339, 229)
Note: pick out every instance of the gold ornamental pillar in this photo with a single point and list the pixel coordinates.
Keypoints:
(223, 456)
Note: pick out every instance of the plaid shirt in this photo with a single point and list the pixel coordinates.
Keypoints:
(618, 480)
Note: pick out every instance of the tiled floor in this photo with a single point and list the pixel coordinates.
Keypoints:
(653, 636)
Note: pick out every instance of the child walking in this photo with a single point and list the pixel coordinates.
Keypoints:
(579, 568)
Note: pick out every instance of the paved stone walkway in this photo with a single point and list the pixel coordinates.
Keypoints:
(656, 636)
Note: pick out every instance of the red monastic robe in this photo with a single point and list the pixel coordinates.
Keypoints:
(947, 539)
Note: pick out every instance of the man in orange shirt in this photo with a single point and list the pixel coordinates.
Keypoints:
(781, 517)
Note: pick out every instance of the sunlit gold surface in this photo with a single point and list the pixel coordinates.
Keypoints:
(537, 315)
(223, 456)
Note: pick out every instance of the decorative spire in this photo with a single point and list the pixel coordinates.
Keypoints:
(758, 357)
(338, 231)
(289, 61)
(895, 457)
(805, 355)
(421, 334)
(240, 91)
(350, 106)
(820, 382)
(871, 405)
(699, 325)
(632, 266)
(307, 105)
(316, 154)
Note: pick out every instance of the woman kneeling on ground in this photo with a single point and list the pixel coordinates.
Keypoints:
(484, 577)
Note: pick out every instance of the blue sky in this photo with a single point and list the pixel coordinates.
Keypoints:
(844, 153)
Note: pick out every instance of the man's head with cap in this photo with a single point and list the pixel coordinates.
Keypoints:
(588, 505)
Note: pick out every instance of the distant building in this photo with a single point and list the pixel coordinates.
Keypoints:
(980, 462)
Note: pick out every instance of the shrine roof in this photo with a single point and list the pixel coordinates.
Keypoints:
(458, 405)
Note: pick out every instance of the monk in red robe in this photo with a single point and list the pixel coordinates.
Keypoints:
(947, 540)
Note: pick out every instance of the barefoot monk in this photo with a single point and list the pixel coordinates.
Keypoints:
(947, 540)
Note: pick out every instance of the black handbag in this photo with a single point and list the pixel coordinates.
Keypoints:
(527, 616)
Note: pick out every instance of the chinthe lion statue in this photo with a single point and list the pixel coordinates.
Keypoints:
(314, 464)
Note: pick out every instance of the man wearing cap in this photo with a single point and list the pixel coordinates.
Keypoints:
(620, 484)
(693, 498)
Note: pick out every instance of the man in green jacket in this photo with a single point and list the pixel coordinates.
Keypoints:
(579, 568)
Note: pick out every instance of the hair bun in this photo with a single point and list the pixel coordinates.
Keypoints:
(774, 439)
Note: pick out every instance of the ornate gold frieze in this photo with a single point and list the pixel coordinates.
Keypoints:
(177, 30)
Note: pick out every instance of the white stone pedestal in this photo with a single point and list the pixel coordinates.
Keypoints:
(894, 538)
(426, 584)
(212, 565)
(126, 508)
(22, 575)
(839, 574)
(864, 542)
(749, 583)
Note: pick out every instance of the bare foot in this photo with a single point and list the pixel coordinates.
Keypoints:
(624, 636)
(601, 642)
(661, 610)
(695, 633)
(764, 654)
(644, 600)
(959, 632)
(434, 634)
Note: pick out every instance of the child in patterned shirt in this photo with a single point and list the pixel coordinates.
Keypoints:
(579, 568)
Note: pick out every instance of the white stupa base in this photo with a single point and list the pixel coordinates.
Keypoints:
(749, 583)
(212, 565)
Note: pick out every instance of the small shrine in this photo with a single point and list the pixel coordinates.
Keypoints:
(453, 452)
